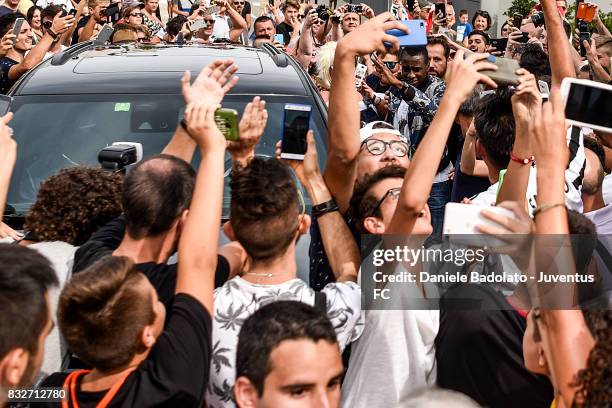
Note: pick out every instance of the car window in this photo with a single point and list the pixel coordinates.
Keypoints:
(54, 132)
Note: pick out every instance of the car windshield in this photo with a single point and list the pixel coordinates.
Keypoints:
(54, 132)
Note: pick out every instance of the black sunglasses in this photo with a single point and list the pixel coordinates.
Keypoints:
(136, 15)
(390, 64)
(48, 24)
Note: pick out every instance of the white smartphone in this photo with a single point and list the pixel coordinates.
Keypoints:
(296, 122)
(588, 103)
(198, 25)
(544, 89)
(360, 72)
(460, 221)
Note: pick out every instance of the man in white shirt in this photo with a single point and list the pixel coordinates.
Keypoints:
(229, 23)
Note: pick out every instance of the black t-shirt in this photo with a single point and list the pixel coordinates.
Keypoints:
(480, 352)
(246, 10)
(5, 82)
(286, 30)
(161, 276)
(174, 374)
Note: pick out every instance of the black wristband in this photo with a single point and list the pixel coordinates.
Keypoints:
(52, 34)
(184, 125)
(324, 208)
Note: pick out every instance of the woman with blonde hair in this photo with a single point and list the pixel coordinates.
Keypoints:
(325, 65)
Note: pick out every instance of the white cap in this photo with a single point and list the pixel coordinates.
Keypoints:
(368, 130)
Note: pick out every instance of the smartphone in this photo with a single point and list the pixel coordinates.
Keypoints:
(517, 20)
(279, 38)
(227, 122)
(463, 218)
(296, 122)
(198, 25)
(500, 44)
(460, 33)
(360, 72)
(417, 36)
(523, 39)
(17, 29)
(180, 38)
(588, 103)
(584, 36)
(104, 34)
(544, 89)
(441, 12)
(585, 11)
(506, 70)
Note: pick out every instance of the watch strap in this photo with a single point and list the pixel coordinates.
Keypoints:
(324, 208)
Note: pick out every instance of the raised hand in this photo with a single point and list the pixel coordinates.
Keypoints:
(62, 24)
(463, 74)
(527, 99)
(371, 36)
(549, 141)
(201, 126)
(211, 85)
(308, 169)
(6, 44)
(250, 130)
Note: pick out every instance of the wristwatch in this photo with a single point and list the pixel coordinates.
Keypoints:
(324, 208)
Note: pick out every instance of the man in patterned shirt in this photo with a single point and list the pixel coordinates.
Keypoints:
(267, 217)
(421, 94)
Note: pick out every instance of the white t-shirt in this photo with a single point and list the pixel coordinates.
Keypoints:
(222, 27)
(573, 180)
(237, 299)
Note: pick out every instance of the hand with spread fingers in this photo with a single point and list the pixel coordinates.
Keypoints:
(250, 130)
(211, 85)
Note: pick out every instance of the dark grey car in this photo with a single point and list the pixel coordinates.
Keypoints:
(71, 106)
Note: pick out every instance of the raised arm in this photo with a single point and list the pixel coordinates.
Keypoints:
(36, 54)
(250, 129)
(338, 242)
(211, 85)
(343, 131)
(67, 36)
(306, 43)
(558, 45)
(239, 24)
(469, 164)
(8, 155)
(565, 337)
(200, 237)
(526, 102)
(462, 76)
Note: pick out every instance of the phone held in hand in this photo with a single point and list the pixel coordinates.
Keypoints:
(198, 25)
(500, 44)
(17, 29)
(360, 72)
(461, 220)
(296, 122)
(544, 89)
(441, 12)
(505, 74)
(104, 34)
(227, 122)
(587, 103)
(279, 38)
(417, 36)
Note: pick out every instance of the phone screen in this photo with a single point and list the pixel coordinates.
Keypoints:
(589, 105)
(17, 29)
(296, 123)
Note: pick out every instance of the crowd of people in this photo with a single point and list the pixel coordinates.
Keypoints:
(118, 292)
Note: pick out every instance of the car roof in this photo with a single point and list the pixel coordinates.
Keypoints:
(128, 69)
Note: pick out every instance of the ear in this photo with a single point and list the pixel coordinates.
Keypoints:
(480, 151)
(245, 393)
(374, 225)
(12, 367)
(304, 225)
(229, 231)
(148, 338)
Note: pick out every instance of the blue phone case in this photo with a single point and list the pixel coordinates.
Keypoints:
(417, 36)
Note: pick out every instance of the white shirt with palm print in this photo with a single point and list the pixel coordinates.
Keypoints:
(237, 299)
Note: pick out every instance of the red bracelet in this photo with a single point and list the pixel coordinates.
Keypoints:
(519, 160)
